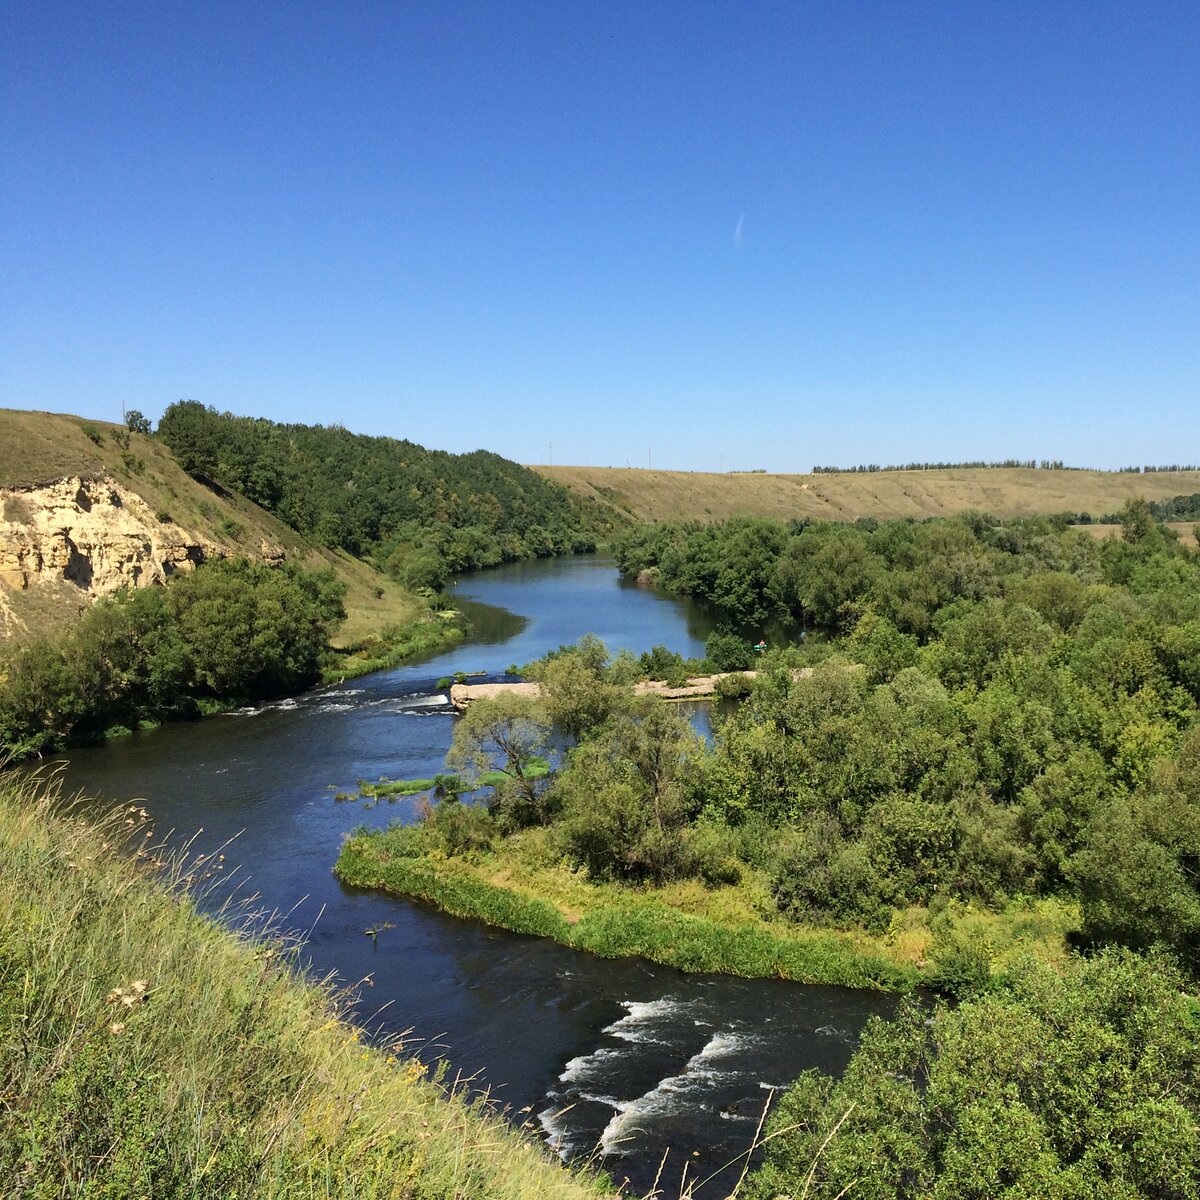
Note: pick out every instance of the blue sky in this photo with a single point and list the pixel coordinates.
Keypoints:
(705, 235)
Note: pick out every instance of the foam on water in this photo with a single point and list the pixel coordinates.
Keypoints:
(641, 1016)
(832, 1031)
(589, 1064)
(669, 1094)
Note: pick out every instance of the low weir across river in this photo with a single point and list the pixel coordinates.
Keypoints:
(621, 1055)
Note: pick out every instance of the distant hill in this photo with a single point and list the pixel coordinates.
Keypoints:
(646, 495)
(86, 507)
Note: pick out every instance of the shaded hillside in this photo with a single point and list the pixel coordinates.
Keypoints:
(420, 514)
(86, 506)
(1007, 492)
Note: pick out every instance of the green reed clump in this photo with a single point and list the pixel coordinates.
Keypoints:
(146, 1050)
(657, 931)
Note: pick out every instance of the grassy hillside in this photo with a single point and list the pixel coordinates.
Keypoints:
(1006, 492)
(37, 448)
(147, 1051)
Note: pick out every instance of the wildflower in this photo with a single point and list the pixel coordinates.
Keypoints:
(116, 1027)
(135, 993)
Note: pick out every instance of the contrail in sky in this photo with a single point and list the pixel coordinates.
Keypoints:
(737, 233)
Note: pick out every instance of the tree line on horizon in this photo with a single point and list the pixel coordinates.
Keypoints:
(1027, 464)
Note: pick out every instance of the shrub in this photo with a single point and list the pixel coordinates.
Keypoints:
(456, 828)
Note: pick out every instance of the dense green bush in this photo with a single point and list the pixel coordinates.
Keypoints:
(1071, 1084)
(231, 632)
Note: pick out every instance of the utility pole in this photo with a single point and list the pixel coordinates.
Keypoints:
(551, 463)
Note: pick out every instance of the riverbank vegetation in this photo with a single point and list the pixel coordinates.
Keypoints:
(1005, 716)
(232, 632)
(420, 515)
(262, 1091)
(1080, 1082)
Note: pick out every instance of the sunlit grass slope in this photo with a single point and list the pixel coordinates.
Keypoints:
(384, 621)
(1005, 492)
(147, 1051)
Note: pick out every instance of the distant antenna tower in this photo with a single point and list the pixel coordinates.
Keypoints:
(551, 453)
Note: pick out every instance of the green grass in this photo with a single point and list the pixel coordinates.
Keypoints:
(392, 644)
(535, 768)
(612, 921)
(148, 1051)
(521, 884)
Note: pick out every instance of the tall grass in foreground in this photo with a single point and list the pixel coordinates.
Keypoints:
(146, 1050)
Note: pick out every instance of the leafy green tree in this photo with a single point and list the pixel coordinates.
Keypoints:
(578, 698)
(190, 430)
(727, 651)
(626, 798)
(881, 647)
(1137, 871)
(137, 422)
(254, 631)
(40, 700)
(1071, 1083)
(666, 665)
(1137, 520)
(508, 734)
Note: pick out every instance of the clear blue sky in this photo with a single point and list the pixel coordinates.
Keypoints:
(738, 234)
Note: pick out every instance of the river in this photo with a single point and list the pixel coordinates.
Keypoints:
(625, 1056)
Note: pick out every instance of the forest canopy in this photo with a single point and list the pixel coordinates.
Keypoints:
(232, 632)
(421, 515)
(998, 711)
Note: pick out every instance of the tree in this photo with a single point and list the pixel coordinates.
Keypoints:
(1137, 871)
(137, 422)
(505, 735)
(1136, 520)
(726, 651)
(625, 795)
(1066, 1082)
(578, 699)
(192, 433)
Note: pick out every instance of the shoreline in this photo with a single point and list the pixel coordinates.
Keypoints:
(641, 925)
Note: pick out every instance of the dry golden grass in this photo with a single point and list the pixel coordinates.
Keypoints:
(682, 495)
(1185, 529)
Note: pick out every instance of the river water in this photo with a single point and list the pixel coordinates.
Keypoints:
(620, 1057)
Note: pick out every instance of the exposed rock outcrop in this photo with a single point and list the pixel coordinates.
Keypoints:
(94, 534)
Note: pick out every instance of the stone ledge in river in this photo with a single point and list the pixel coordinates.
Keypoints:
(700, 687)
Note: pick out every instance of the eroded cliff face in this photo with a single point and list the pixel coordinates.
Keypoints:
(93, 534)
